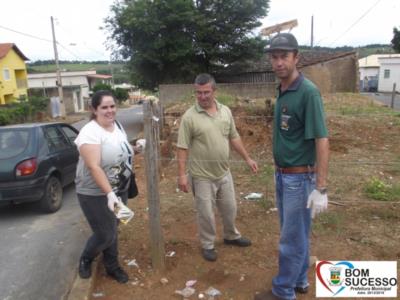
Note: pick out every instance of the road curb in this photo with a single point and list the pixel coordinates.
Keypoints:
(82, 288)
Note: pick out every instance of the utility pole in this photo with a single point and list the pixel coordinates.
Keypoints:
(111, 72)
(393, 95)
(312, 31)
(58, 72)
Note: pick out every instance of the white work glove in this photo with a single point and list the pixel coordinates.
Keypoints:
(317, 202)
(112, 201)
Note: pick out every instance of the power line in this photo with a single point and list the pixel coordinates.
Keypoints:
(38, 38)
(65, 48)
(49, 41)
(358, 20)
(26, 34)
(84, 44)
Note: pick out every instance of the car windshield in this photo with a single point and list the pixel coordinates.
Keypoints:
(13, 141)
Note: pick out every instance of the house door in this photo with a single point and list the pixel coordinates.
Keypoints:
(79, 100)
(76, 96)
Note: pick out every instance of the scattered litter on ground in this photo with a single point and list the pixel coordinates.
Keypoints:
(133, 263)
(186, 292)
(273, 209)
(170, 254)
(201, 296)
(253, 196)
(135, 282)
(241, 277)
(190, 283)
(98, 295)
(164, 281)
(213, 292)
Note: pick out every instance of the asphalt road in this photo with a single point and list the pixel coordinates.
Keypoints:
(39, 252)
(130, 118)
(385, 98)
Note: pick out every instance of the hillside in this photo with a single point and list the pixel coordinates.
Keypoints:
(101, 67)
(362, 51)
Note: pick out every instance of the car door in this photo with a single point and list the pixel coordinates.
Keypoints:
(61, 152)
(71, 133)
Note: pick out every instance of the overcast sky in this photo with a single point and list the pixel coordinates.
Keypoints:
(78, 22)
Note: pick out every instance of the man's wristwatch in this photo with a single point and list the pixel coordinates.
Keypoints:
(322, 190)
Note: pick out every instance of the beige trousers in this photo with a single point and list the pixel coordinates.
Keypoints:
(215, 193)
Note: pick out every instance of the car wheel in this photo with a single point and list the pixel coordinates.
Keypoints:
(52, 199)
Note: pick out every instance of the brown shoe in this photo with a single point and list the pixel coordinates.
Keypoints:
(266, 295)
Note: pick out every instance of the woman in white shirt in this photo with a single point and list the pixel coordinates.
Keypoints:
(103, 175)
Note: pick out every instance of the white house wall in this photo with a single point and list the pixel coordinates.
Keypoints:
(48, 81)
(386, 84)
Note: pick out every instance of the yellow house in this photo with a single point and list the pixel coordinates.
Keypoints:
(13, 74)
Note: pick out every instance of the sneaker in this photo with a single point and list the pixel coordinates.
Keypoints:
(301, 290)
(240, 242)
(119, 275)
(209, 254)
(266, 295)
(85, 268)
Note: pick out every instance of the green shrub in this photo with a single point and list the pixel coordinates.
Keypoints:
(102, 87)
(23, 110)
(121, 94)
(379, 190)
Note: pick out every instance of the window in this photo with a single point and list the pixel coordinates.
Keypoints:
(386, 73)
(13, 142)
(70, 133)
(55, 139)
(6, 74)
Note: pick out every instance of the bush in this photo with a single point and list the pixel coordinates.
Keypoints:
(102, 87)
(121, 94)
(379, 190)
(22, 111)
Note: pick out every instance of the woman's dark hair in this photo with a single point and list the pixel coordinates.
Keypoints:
(97, 98)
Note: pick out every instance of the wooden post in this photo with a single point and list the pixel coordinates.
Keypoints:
(152, 154)
(393, 95)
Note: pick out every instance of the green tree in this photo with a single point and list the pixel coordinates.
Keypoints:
(396, 40)
(101, 87)
(170, 41)
(121, 95)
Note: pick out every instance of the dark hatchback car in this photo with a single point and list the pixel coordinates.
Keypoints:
(36, 162)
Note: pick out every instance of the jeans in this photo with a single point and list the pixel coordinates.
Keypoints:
(105, 232)
(292, 191)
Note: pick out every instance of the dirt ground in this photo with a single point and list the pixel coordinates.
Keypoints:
(364, 144)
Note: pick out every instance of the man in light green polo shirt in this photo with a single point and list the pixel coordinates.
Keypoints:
(206, 132)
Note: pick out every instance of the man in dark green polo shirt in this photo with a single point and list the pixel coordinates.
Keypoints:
(301, 150)
(206, 132)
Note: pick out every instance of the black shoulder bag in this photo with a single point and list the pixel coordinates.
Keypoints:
(132, 189)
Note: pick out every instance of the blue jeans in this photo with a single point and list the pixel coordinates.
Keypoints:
(292, 191)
